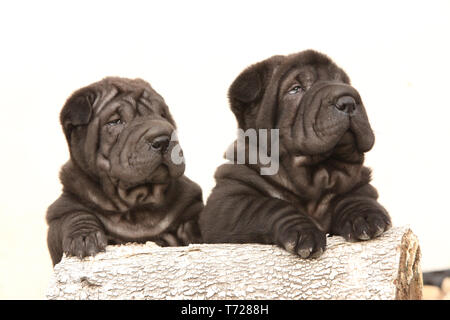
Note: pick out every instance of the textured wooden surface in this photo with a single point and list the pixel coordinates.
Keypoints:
(385, 268)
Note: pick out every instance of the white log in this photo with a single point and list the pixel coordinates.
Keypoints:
(385, 268)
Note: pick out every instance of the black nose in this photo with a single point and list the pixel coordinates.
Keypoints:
(346, 104)
(160, 144)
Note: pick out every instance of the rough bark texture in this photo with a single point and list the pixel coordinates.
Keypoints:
(385, 268)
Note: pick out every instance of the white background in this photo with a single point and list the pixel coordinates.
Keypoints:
(396, 53)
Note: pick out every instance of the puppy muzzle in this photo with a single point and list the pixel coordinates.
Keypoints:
(147, 152)
(326, 112)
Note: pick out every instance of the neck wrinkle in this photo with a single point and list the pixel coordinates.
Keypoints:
(79, 183)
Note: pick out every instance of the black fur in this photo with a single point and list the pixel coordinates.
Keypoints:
(119, 185)
(321, 186)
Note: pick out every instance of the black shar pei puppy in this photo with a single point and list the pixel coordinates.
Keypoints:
(124, 181)
(321, 186)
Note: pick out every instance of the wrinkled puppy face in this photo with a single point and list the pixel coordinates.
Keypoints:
(122, 129)
(310, 100)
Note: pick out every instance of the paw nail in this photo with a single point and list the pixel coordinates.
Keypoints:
(364, 236)
(379, 231)
(304, 253)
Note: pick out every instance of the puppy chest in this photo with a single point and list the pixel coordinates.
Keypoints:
(131, 221)
(319, 211)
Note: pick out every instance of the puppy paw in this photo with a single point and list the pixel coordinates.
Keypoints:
(365, 225)
(189, 232)
(305, 241)
(85, 244)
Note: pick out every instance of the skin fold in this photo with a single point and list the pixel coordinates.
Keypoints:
(322, 186)
(121, 183)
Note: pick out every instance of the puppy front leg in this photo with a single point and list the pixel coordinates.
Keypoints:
(359, 216)
(248, 218)
(295, 232)
(77, 234)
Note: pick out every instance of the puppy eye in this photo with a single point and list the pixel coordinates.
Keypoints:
(114, 122)
(296, 89)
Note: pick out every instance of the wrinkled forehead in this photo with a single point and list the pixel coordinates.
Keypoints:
(307, 74)
(304, 75)
(307, 68)
(129, 100)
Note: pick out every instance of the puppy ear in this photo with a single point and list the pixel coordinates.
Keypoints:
(249, 87)
(77, 110)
